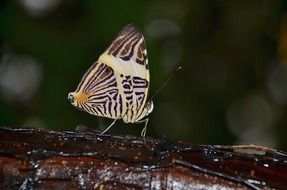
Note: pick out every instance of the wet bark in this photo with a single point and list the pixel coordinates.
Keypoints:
(42, 159)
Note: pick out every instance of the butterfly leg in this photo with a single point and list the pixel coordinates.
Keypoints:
(143, 132)
(109, 126)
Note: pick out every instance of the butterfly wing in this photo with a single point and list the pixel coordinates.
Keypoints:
(116, 86)
(128, 56)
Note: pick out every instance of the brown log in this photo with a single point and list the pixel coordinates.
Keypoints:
(42, 159)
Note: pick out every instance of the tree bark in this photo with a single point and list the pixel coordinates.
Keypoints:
(42, 159)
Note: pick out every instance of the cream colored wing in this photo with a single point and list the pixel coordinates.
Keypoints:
(116, 86)
(127, 55)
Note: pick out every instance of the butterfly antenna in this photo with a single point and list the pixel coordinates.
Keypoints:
(166, 81)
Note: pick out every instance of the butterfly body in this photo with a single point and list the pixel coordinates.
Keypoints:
(116, 85)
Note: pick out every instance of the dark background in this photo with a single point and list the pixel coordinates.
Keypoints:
(232, 90)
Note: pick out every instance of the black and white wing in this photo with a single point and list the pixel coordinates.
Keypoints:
(116, 86)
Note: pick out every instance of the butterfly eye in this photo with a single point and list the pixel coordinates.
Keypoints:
(149, 107)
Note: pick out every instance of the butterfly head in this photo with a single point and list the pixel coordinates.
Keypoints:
(148, 107)
(146, 110)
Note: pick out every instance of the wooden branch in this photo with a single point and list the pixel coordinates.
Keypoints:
(42, 159)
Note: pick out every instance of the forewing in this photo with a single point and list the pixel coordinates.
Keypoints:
(128, 56)
(129, 45)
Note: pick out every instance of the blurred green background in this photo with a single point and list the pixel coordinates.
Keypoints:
(232, 89)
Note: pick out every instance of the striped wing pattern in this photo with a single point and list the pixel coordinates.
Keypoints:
(116, 86)
(124, 46)
(103, 97)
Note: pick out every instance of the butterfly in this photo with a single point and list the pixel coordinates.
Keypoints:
(116, 85)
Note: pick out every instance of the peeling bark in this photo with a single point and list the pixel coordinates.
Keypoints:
(42, 159)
